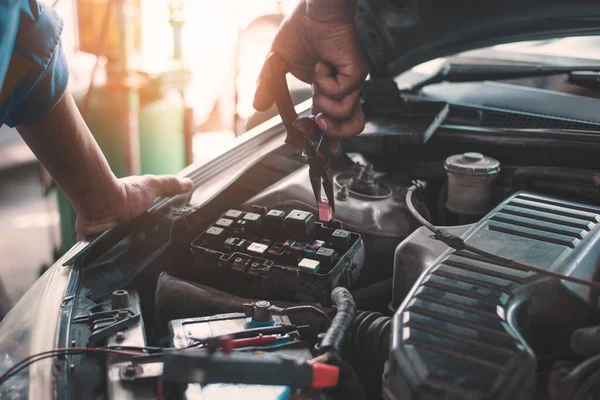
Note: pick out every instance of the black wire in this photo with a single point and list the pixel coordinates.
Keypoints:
(152, 349)
(583, 369)
(346, 311)
(457, 243)
(21, 365)
(43, 356)
(107, 350)
(274, 347)
(26, 365)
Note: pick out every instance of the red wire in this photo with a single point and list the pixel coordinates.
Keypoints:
(160, 388)
(58, 352)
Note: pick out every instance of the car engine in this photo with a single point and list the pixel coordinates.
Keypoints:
(399, 310)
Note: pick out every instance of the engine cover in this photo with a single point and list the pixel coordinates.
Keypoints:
(471, 329)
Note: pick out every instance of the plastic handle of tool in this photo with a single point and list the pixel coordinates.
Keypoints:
(283, 100)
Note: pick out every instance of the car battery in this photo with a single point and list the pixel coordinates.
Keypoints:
(186, 332)
(277, 256)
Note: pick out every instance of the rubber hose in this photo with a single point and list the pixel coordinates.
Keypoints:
(585, 341)
(346, 311)
(367, 349)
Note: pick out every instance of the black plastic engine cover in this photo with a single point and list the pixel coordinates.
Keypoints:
(470, 329)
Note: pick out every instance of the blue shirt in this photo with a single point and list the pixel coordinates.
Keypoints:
(33, 69)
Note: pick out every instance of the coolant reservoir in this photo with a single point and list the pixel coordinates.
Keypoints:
(470, 177)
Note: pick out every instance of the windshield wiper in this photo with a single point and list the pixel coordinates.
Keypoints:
(467, 72)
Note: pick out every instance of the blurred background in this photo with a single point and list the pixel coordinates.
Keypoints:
(161, 84)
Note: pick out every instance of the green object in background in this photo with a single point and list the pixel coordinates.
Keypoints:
(107, 116)
(162, 141)
(160, 121)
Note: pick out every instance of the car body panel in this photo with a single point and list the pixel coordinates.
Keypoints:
(397, 35)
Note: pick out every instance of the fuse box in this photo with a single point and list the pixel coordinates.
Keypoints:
(271, 254)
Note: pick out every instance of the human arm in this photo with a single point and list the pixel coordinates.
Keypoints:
(66, 148)
(35, 99)
(320, 44)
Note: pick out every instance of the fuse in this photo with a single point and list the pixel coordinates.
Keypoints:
(257, 248)
(224, 222)
(231, 241)
(325, 211)
(309, 265)
(298, 247)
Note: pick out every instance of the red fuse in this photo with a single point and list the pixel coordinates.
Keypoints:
(325, 211)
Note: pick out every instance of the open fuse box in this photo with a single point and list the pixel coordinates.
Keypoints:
(271, 254)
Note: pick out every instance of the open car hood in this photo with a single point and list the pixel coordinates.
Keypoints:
(398, 34)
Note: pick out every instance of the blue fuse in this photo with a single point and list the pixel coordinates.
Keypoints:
(309, 253)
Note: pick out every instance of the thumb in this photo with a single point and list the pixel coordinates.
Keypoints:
(169, 185)
(264, 95)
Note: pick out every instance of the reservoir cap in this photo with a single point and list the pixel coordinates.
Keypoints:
(472, 164)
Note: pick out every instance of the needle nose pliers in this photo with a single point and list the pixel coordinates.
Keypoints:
(300, 132)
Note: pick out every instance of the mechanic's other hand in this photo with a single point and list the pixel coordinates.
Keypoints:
(320, 44)
(135, 195)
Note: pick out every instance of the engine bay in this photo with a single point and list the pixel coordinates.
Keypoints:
(260, 299)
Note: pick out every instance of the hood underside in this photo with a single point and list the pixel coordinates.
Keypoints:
(398, 34)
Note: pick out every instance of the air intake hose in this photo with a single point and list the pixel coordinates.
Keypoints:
(346, 311)
(368, 348)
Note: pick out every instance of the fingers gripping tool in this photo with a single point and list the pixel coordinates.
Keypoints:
(300, 132)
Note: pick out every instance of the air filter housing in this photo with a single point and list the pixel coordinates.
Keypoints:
(471, 329)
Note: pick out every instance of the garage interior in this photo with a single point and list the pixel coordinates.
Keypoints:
(189, 97)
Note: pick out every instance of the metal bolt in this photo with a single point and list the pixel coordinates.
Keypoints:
(120, 337)
(366, 175)
(255, 264)
(261, 311)
(119, 299)
(342, 194)
(130, 371)
(263, 304)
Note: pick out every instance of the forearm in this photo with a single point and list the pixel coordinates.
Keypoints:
(66, 148)
(331, 10)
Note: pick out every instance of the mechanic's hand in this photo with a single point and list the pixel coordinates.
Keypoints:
(135, 195)
(320, 44)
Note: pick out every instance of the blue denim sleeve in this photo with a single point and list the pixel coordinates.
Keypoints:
(38, 46)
